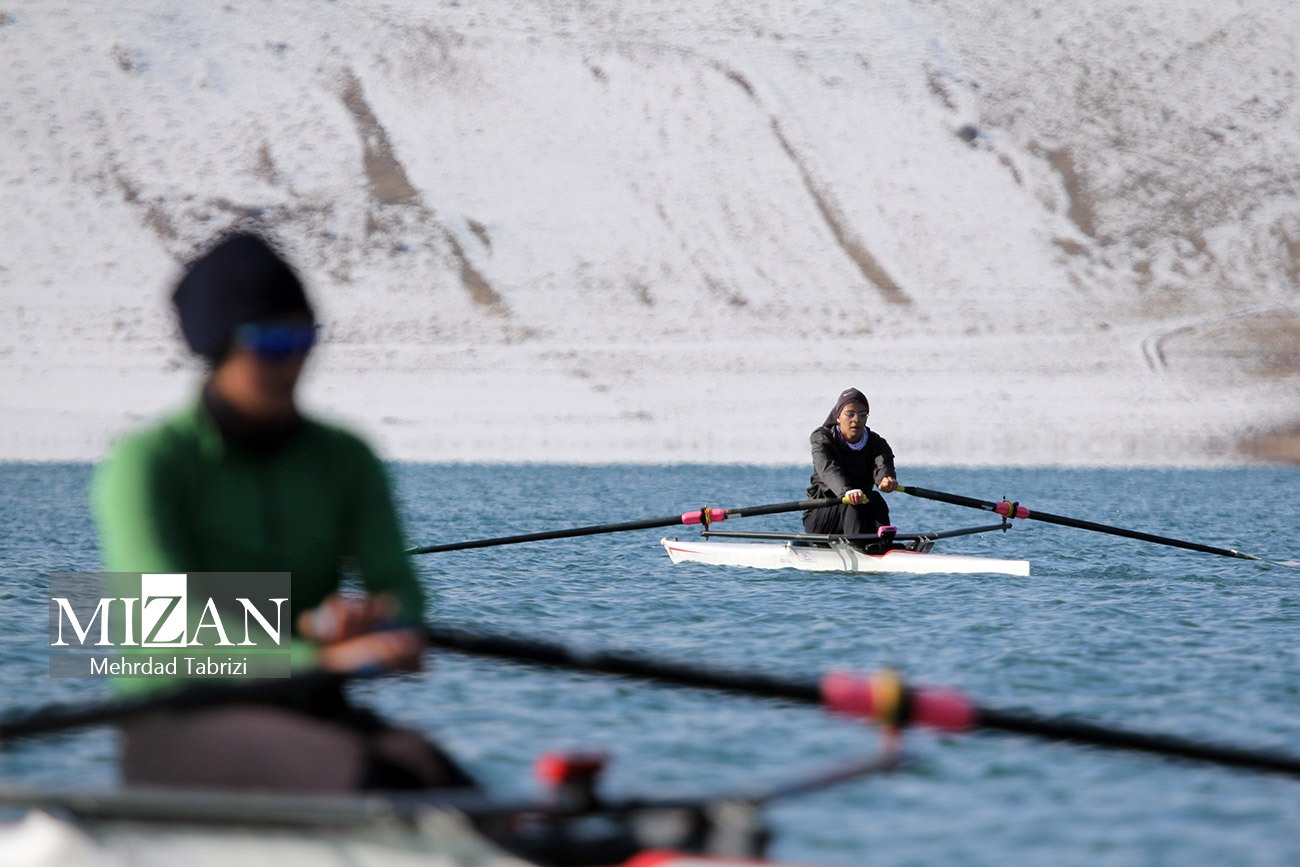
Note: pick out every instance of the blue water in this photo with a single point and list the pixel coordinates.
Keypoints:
(1113, 631)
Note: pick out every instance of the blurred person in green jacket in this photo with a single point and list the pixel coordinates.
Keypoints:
(241, 481)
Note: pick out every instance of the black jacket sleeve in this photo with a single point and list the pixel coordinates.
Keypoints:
(828, 478)
(883, 458)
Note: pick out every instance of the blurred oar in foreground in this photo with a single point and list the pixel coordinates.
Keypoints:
(881, 698)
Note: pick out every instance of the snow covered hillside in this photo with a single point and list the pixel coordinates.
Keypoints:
(1032, 233)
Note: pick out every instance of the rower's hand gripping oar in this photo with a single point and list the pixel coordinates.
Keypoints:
(883, 699)
(704, 517)
(1012, 510)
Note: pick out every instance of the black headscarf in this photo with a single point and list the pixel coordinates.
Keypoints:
(847, 396)
(240, 280)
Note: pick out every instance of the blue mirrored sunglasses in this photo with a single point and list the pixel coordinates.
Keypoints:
(278, 340)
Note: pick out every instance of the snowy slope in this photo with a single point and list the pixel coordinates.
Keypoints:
(673, 232)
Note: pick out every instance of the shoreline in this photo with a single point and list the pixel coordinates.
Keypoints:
(1282, 449)
(1088, 401)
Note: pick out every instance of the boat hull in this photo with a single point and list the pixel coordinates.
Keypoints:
(218, 828)
(836, 557)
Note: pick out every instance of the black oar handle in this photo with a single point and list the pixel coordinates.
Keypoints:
(704, 516)
(1015, 510)
(776, 508)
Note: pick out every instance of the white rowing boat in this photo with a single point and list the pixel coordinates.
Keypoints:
(828, 554)
(43, 839)
(144, 826)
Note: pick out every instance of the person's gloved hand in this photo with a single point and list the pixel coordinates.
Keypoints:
(351, 634)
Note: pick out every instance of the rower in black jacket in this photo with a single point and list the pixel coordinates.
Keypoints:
(849, 459)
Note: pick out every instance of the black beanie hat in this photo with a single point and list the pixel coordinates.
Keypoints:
(239, 280)
(847, 396)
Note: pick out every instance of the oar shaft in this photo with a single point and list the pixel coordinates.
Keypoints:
(1015, 510)
(600, 662)
(549, 534)
(1085, 733)
(705, 516)
(1049, 518)
(189, 698)
(878, 699)
(883, 699)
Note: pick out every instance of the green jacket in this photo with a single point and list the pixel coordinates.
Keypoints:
(176, 498)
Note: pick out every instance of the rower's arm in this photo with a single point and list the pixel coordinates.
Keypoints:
(138, 498)
(827, 469)
(139, 509)
(883, 473)
(376, 539)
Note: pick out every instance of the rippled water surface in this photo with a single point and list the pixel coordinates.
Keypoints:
(1108, 630)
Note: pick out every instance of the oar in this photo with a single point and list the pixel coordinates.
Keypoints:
(882, 698)
(1014, 510)
(704, 516)
(55, 719)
